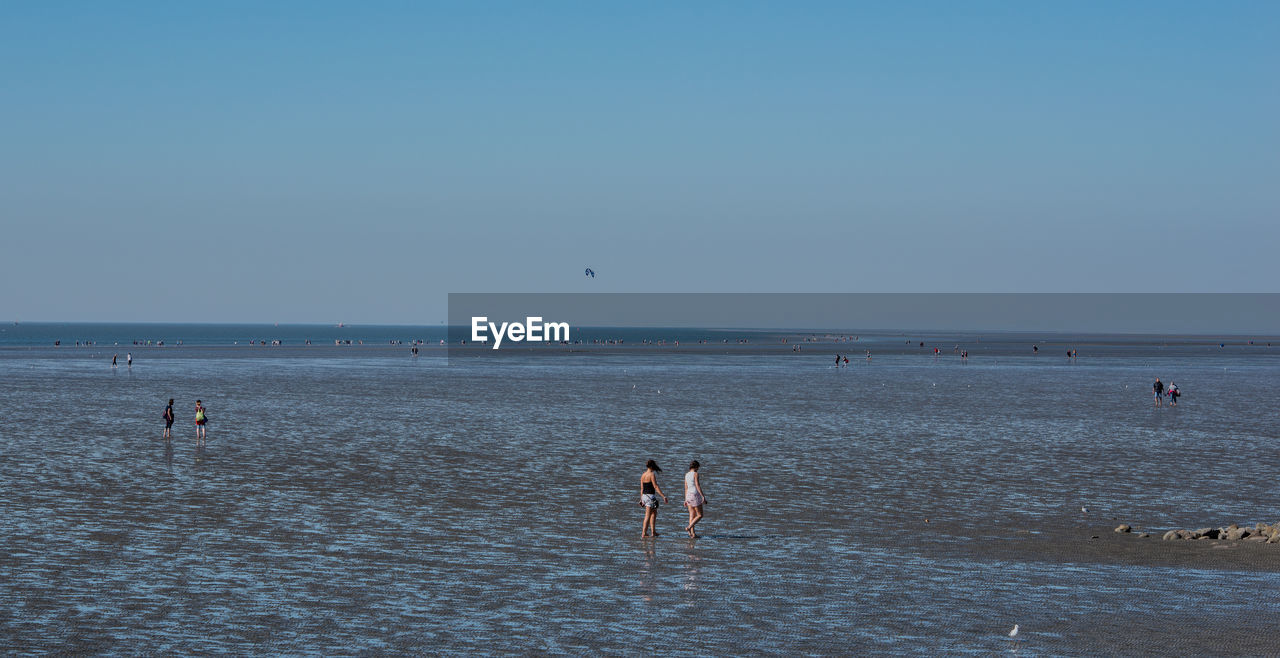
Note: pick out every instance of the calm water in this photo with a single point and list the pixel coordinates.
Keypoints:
(362, 501)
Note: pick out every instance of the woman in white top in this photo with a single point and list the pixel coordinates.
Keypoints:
(693, 497)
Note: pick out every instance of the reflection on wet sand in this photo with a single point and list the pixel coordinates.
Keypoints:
(691, 566)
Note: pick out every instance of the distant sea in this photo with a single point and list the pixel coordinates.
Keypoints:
(102, 335)
(360, 499)
(45, 334)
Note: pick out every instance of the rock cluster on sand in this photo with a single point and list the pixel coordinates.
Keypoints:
(1262, 532)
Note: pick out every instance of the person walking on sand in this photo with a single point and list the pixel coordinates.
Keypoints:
(1158, 389)
(649, 492)
(202, 417)
(128, 359)
(1174, 393)
(113, 360)
(693, 497)
(168, 420)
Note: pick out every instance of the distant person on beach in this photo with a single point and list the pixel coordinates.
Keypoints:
(1174, 394)
(693, 497)
(201, 419)
(168, 420)
(128, 359)
(113, 360)
(649, 492)
(1158, 389)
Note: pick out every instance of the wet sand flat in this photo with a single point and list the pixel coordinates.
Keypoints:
(371, 502)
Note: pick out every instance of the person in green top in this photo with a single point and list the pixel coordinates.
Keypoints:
(201, 419)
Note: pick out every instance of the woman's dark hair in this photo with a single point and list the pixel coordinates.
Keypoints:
(693, 465)
(170, 400)
(197, 402)
(652, 465)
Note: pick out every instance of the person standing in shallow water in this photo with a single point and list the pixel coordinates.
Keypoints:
(649, 492)
(1158, 389)
(201, 419)
(693, 497)
(168, 420)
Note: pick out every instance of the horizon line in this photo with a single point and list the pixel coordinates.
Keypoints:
(845, 330)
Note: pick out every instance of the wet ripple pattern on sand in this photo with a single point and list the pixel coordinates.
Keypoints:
(393, 505)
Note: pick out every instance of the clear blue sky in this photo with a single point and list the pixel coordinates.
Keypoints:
(317, 162)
